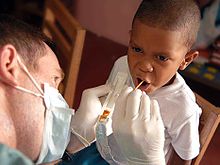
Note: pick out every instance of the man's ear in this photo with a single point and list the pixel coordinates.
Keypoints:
(189, 57)
(8, 64)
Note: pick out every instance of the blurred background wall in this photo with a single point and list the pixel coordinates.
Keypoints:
(108, 18)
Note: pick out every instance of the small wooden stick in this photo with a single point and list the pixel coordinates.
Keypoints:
(138, 85)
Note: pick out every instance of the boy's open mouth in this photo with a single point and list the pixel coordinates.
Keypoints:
(144, 85)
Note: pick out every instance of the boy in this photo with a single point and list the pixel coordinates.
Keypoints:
(161, 38)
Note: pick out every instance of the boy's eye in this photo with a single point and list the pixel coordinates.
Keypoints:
(162, 58)
(137, 50)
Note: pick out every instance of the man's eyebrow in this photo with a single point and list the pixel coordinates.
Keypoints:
(61, 72)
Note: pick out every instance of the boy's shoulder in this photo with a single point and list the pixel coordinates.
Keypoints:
(179, 108)
(121, 60)
(121, 64)
(181, 99)
(178, 99)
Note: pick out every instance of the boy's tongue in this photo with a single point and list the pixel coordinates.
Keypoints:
(144, 85)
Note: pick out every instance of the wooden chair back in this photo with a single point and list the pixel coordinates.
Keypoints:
(60, 25)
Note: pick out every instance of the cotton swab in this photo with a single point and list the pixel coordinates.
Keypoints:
(138, 85)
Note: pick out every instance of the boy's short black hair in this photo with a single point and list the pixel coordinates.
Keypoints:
(173, 15)
(27, 40)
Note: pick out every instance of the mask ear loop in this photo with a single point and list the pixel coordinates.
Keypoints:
(28, 91)
(32, 79)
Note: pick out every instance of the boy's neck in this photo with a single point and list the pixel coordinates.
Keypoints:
(170, 81)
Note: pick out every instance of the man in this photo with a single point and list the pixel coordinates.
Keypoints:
(23, 113)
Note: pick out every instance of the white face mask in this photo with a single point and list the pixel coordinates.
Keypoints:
(58, 115)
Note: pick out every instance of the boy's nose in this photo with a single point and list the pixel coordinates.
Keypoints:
(146, 68)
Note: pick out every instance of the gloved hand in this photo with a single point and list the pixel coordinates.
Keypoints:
(86, 116)
(138, 128)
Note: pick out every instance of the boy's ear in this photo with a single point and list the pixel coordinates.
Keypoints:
(8, 64)
(189, 57)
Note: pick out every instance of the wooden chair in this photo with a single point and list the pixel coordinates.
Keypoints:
(209, 122)
(69, 37)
